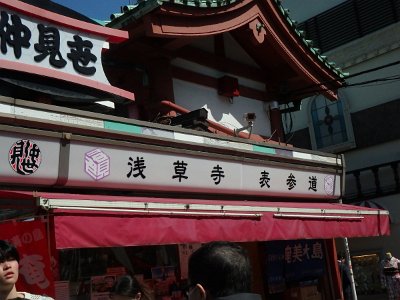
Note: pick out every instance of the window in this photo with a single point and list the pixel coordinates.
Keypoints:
(330, 124)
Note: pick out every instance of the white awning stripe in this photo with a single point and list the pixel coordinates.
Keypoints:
(193, 207)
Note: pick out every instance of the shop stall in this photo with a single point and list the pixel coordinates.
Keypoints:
(87, 197)
(113, 202)
(95, 237)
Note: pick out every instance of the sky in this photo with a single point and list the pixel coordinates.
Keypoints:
(95, 9)
(102, 9)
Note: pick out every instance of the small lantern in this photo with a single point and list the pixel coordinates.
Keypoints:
(228, 86)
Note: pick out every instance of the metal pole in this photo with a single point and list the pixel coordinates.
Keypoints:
(345, 240)
(348, 262)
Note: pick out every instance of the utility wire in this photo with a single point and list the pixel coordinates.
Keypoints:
(376, 81)
(312, 88)
(309, 89)
(316, 88)
(345, 85)
(374, 69)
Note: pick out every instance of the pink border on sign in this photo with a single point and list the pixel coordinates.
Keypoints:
(110, 34)
(31, 69)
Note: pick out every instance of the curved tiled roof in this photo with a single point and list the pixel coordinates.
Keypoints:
(130, 13)
(144, 6)
(309, 43)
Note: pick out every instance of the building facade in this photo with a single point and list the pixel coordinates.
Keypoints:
(191, 150)
(361, 37)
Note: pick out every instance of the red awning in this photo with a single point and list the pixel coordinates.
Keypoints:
(83, 221)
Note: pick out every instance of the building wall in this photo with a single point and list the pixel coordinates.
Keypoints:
(194, 96)
(374, 105)
(228, 112)
(300, 12)
(359, 59)
(374, 108)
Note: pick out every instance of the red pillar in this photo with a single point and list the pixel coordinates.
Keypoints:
(334, 267)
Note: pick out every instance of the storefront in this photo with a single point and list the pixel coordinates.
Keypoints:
(90, 196)
(95, 237)
(175, 198)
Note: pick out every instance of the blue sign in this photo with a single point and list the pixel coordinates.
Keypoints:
(293, 261)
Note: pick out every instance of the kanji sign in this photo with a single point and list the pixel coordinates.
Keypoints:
(145, 169)
(29, 159)
(24, 157)
(46, 47)
(293, 261)
(107, 166)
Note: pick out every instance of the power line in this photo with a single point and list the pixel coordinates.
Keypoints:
(384, 79)
(373, 69)
(381, 80)
(376, 81)
(314, 87)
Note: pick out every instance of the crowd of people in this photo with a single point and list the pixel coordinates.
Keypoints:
(216, 271)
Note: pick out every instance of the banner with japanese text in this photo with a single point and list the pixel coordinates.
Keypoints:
(31, 241)
(293, 261)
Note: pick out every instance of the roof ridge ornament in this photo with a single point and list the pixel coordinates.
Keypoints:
(258, 29)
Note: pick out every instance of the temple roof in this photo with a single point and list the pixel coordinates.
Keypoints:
(282, 49)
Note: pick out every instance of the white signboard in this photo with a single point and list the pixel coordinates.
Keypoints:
(51, 49)
(124, 168)
(29, 159)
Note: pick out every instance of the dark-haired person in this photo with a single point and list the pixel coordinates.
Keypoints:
(9, 272)
(220, 270)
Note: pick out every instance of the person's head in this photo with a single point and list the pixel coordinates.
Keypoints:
(218, 269)
(388, 255)
(9, 268)
(126, 288)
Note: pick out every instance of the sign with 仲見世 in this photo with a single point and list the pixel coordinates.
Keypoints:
(36, 41)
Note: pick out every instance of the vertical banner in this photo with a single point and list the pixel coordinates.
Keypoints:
(30, 239)
(293, 261)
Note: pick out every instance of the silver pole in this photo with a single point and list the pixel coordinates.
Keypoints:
(346, 242)
(348, 262)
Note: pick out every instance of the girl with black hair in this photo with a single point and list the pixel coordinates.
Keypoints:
(9, 272)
